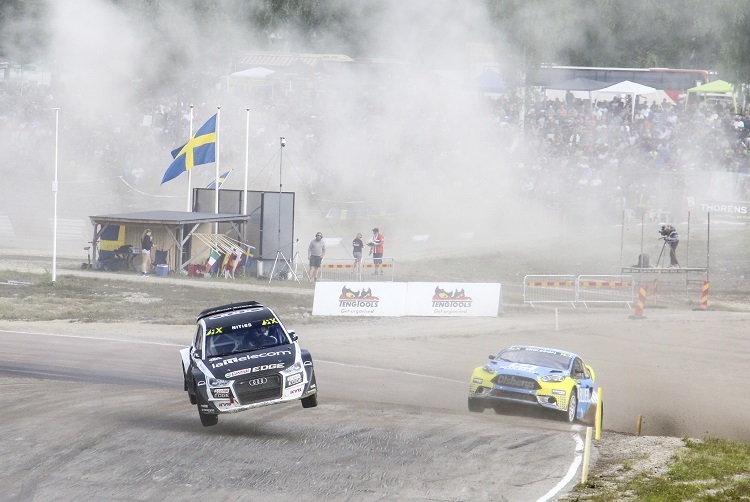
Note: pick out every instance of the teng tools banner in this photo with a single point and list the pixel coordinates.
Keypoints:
(407, 299)
(453, 299)
(360, 298)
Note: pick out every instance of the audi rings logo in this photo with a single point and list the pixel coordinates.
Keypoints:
(257, 381)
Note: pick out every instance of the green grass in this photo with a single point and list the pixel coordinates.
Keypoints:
(91, 299)
(706, 470)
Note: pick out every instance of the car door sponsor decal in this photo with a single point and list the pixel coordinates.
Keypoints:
(584, 394)
(254, 369)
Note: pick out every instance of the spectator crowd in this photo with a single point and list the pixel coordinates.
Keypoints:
(644, 160)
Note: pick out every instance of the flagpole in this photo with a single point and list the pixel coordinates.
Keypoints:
(247, 161)
(54, 190)
(190, 171)
(218, 128)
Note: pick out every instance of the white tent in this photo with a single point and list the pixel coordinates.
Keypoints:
(628, 87)
(257, 72)
(252, 78)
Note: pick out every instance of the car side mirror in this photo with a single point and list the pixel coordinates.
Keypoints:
(293, 336)
(491, 357)
(197, 354)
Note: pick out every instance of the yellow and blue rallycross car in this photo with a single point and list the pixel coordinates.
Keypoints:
(550, 378)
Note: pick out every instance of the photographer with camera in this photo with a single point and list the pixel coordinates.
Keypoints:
(669, 234)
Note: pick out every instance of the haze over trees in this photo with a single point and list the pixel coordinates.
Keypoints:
(640, 33)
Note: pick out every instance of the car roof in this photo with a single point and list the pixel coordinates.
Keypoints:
(543, 349)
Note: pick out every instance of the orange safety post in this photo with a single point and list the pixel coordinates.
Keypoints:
(639, 305)
(704, 296)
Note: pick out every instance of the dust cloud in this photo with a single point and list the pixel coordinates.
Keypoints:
(401, 139)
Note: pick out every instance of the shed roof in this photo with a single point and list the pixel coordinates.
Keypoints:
(167, 217)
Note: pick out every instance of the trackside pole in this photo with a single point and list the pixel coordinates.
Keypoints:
(586, 457)
(704, 296)
(599, 414)
(557, 326)
(639, 305)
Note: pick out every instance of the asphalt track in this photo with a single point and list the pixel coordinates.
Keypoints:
(97, 411)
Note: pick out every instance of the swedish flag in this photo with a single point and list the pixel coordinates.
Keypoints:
(222, 179)
(201, 149)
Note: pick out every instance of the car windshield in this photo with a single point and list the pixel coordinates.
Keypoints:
(243, 339)
(537, 357)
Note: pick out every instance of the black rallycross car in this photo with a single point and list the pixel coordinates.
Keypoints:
(243, 357)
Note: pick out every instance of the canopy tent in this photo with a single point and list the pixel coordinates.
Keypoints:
(631, 88)
(251, 79)
(715, 86)
(719, 87)
(258, 72)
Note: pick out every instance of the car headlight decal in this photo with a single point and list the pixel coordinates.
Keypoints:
(293, 374)
(294, 368)
(553, 378)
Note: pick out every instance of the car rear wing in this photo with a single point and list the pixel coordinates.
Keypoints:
(228, 308)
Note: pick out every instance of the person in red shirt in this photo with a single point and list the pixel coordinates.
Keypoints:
(376, 249)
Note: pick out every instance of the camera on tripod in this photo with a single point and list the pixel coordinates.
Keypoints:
(665, 230)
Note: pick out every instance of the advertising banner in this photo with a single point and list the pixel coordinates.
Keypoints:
(729, 210)
(360, 298)
(453, 299)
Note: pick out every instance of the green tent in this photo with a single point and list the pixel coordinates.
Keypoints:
(719, 86)
(715, 87)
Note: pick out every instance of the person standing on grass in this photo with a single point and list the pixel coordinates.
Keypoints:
(147, 242)
(315, 253)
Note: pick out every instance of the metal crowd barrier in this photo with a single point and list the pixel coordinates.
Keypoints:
(549, 289)
(606, 289)
(581, 289)
(341, 270)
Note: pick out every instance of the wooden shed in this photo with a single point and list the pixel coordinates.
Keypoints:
(172, 232)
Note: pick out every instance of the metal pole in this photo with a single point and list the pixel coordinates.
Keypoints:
(640, 278)
(687, 245)
(622, 237)
(708, 244)
(190, 171)
(247, 161)
(687, 255)
(218, 137)
(282, 142)
(54, 190)
(218, 128)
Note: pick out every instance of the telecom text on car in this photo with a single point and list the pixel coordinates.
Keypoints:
(243, 357)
